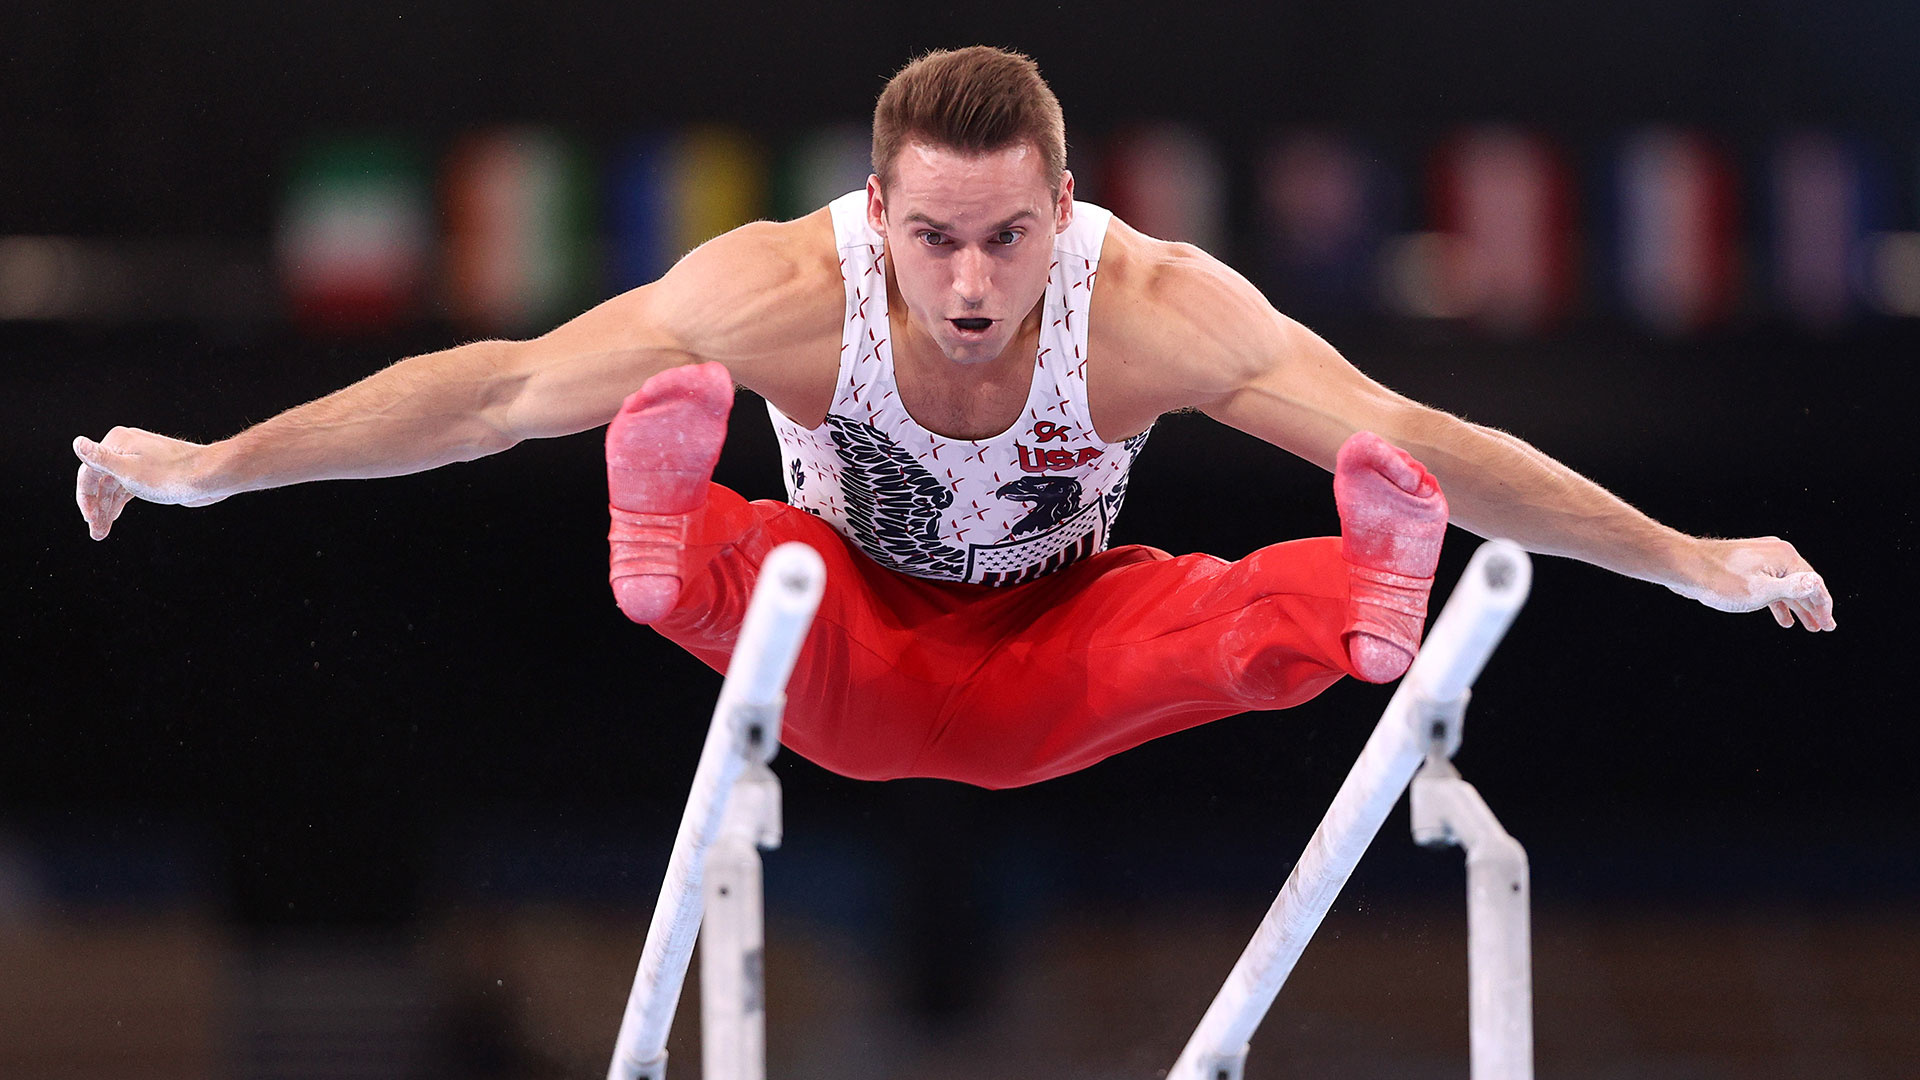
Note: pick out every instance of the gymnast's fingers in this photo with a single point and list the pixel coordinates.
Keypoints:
(1818, 603)
(101, 496)
(1781, 613)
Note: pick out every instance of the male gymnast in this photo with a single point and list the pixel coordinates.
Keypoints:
(957, 416)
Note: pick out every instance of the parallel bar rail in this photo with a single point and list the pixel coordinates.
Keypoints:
(1434, 691)
(745, 731)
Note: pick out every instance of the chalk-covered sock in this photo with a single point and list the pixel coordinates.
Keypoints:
(661, 450)
(1392, 519)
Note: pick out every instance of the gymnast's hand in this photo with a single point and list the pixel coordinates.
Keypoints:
(134, 464)
(1747, 575)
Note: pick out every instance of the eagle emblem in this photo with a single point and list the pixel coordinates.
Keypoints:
(893, 503)
(1050, 500)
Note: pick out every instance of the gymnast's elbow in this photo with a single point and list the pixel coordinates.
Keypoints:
(483, 438)
(495, 421)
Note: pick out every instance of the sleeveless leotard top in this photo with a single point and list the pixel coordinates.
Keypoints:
(994, 511)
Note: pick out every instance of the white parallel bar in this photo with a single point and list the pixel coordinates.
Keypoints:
(745, 729)
(1483, 605)
(733, 1010)
(1478, 613)
(1447, 809)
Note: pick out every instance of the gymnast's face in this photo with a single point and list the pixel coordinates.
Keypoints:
(969, 242)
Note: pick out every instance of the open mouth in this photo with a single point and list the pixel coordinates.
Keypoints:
(972, 326)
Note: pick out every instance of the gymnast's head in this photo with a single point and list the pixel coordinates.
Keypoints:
(969, 187)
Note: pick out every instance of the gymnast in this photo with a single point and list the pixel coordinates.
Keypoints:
(958, 416)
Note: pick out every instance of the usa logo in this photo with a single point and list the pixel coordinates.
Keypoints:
(1033, 459)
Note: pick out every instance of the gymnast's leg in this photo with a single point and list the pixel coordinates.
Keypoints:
(1392, 519)
(661, 450)
(685, 554)
(1135, 644)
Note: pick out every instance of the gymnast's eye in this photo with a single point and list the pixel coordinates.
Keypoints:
(932, 239)
(1007, 237)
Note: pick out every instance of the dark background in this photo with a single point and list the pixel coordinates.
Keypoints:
(366, 704)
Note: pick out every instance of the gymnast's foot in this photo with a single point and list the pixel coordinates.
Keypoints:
(1392, 519)
(661, 450)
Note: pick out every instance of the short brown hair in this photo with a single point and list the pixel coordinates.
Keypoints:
(977, 99)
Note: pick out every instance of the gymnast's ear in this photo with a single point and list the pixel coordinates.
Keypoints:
(876, 207)
(1063, 206)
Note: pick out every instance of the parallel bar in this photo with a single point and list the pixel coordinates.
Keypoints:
(1476, 616)
(745, 729)
(1483, 605)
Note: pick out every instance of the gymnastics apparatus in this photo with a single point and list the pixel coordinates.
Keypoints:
(733, 813)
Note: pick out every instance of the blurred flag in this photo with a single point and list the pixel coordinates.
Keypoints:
(819, 168)
(1168, 182)
(355, 233)
(640, 212)
(1826, 205)
(1678, 264)
(674, 192)
(517, 231)
(1894, 268)
(1324, 205)
(1503, 202)
(1088, 166)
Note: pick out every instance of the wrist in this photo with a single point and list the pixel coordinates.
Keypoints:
(1682, 561)
(212, 470)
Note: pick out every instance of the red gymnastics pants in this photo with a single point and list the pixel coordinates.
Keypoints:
(1006, 686)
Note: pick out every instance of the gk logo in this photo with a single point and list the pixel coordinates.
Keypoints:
(1045, 430)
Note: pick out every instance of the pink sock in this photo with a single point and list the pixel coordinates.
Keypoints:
(1392, 519)
(661, 449)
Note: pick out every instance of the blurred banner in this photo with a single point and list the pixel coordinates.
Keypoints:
(1674, 238)
(1503, 200)
(1168, 181)
(1326, 206)
(1327, 213)
(517, 231)
(674, 191)
(1828, 199)
(355, 240)
(820, 167)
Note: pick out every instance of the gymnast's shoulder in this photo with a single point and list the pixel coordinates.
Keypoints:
(762, 261)
(1173, 324)
(766, 286)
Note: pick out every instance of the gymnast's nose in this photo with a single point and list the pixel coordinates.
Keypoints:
(972, 277)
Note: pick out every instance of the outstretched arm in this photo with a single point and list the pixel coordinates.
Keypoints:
(732, 300)
(1257, 370)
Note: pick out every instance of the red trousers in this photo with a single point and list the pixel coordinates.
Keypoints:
(1001, 687)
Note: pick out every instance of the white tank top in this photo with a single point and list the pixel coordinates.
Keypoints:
(994, 511)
